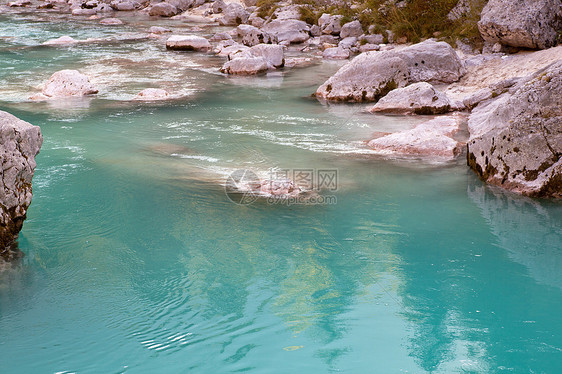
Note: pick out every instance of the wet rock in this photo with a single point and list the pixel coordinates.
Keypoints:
(516, 140)
(280, 188)
(432, 139)
(68, 83)
(251, 60)
(417, 98)
(290, 31)
(20, 142)
(83, 12)
(522, 23)
(158, 30)
(188, 43)
(351, 29)
(63, 40)
(151, 94)
(111, 21)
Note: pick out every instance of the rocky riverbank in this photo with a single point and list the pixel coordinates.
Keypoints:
(498, 104)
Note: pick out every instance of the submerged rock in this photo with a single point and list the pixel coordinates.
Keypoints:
(68, 83)
(63, 40)
(432, 139)
(158, 30)
(188, 43)
(522, 23)
(20, 142)
(111, 21)
(417, 98)
(516, 140)
(150, 94)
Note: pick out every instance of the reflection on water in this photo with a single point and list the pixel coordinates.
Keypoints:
(136, 261)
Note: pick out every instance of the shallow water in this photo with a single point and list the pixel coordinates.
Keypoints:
(136, 260)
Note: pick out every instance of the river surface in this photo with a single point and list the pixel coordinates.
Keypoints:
(136, 261)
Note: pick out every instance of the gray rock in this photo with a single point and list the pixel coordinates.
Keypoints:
(433, 139)
(368, 77)
(373, 39)
(163, 10)
(522, 23)
(287, 12)
(251, 36)
(219, 6)
(290, 30)
(417, 98)
(369, 47)
(245, 66)
(516, 140)
(20, 142)
(348, 42)
(68, 83)
(123, 5)
(220, 36)
(152, 94)
(188, 43)
(315, 30)
(234, 14)
(330, 24)
(336, 53)
(352, 28)
(272, 54)
(111, 21)
(158, 30)
(432, 61)
(372, 75)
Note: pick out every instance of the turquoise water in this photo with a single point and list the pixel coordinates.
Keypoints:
(136, 261)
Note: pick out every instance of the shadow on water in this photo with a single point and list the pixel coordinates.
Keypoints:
(486, 296)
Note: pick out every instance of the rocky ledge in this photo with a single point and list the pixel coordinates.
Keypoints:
(19, 144)
(516, 140)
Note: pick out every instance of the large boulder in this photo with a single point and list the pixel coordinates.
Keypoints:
(336, 53)
(19, 144)
(163, 10)
(234, 14)
(516, 140)
(330, 24)
(371, 75)
(432, 61)
(68, 83)
(433, 139)
(250, 61)
(352, 28)
(251, 36)
(368, 77)
(522, 23)
(188, 43)
(245, 66)
(289, 31)
(417, 98)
